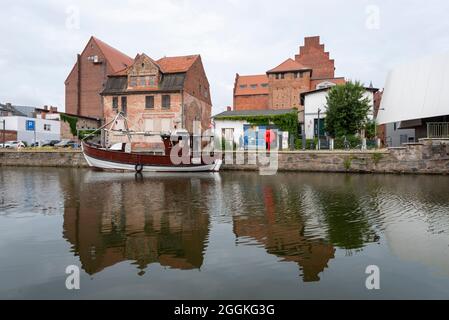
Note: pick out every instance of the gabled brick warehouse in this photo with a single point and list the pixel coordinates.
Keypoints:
(88, 77)
(281, 87)
(157, 95)
(160, 95)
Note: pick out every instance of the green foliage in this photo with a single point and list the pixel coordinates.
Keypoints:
(228, 145)
(85, 133)
(285, 122)
(377, 157)
(309, 142)
(72, 121)
(354, 142)
(347, 110)
(370, 129)
(347, 163)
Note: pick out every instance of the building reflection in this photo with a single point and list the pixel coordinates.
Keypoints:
(123, 219)
(281, 231)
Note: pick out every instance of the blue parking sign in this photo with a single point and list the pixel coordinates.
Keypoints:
(30, 125)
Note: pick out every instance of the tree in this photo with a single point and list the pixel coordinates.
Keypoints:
(347, 109)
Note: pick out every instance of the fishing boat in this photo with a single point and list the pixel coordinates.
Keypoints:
(120, 156)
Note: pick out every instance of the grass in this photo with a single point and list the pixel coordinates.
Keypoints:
(377, 157)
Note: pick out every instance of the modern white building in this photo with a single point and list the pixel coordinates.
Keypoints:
(31, 130)
(24, 123)
(416, 96)
(317, 100)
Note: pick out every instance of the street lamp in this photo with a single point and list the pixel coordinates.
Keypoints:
(4, 132)
(318, 129)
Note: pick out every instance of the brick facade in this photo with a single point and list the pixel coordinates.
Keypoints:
(313, 55)
(82, 124)
(252, 102)
(8, 135)
(88, 76)
(285, 93)
(312, 67)
(182, 79)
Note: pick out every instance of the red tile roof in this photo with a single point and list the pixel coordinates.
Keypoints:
(167, 64)
(288, 65)
(249, 85)
(116, 59)
(176, 64)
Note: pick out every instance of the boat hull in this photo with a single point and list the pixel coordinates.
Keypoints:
(114, 160)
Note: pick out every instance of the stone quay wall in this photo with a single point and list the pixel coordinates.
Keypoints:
(427, 157)
(51, 158)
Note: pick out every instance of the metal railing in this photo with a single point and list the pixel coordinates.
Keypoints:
(437, 130)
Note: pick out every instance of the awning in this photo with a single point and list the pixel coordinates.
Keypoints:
(408, 124)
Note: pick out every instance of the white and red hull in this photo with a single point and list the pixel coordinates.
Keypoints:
(118, 160)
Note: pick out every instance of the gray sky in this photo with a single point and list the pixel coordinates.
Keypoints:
(40, 39)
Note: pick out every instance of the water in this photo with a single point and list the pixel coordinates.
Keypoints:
(222, 236)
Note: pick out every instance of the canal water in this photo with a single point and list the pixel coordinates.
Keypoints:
(231, 235)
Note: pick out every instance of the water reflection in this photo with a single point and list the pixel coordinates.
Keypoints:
(283, 235)
(145, 222)
(239, 229)
(166, 219)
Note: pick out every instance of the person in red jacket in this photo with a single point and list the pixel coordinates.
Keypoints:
(268, 139)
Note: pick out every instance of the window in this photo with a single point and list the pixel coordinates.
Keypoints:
(124, 105)
(243, 86)
(165, 125)
(264, 85)
(142, 82)
(47, 127)
(151, 81)
(253, 86)
(133, 82)
(165, 102)
(115, 103)
(282, 76)
(149, 102)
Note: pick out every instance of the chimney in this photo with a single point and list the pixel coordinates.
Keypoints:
(228, 108)
(53, 109)
(45, 107)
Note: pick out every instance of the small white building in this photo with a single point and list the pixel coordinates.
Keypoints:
(245, 135)
(317, 100)
(31, 130)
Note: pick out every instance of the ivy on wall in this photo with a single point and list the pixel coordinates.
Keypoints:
(285, 122)
(72, 121)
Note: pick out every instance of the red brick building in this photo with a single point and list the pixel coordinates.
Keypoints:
(281, 87)
(159, 96)
(88, 77)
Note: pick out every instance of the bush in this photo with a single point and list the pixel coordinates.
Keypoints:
(354, 142)
(309, 142)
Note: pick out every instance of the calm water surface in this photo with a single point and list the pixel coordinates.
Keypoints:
(222, 236)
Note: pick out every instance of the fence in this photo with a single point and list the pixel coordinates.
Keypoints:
(438, 130)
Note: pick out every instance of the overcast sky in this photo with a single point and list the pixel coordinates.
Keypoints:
(40, 39)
